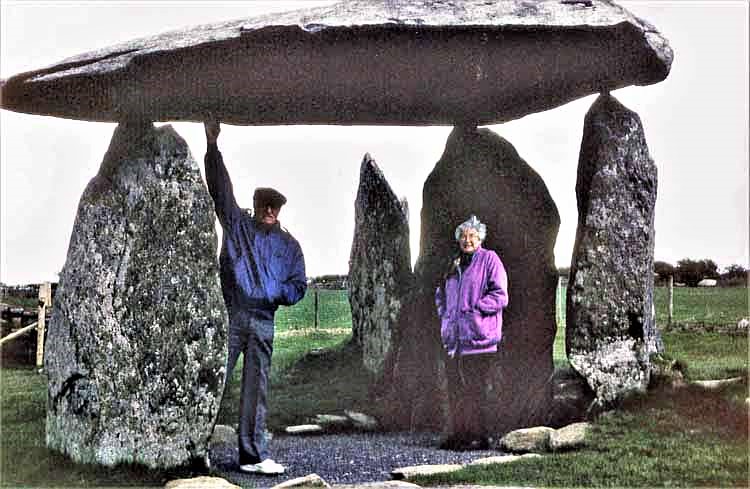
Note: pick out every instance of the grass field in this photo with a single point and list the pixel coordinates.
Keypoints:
(702, 306)
(668, 438)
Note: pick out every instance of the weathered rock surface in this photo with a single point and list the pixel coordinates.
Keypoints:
(396, 62)
(504, 192)
(304, 429)
(611, 330)
(504, 459)
(333, 422)
(312, 480)
(362, 421)
(223, 435)
(534, 439)
(201, 483)
(418, 470)
(569, 437)
(137, 342)
(379, 265)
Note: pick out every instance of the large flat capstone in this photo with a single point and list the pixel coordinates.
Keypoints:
(137, 343)
(391, 62)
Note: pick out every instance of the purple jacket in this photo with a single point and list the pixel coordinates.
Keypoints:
(470, 306)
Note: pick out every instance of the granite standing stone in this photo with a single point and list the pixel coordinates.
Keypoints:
(137, 343)
(611, 330)
(380, 274)
(481, 173)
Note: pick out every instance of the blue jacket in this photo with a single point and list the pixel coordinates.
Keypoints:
(260, 267)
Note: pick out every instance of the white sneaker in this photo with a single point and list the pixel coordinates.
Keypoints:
(266, 467)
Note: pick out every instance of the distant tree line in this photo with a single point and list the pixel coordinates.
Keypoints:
(328, 281)
(22, 294)
(690, 272)
(21, 291)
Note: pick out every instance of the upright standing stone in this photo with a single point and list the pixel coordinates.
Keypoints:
(380, 265)
(610, 324)
(481, 173)
(137, 344)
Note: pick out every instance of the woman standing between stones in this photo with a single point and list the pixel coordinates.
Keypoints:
(470, 305)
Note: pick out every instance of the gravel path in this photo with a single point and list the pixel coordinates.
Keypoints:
(344, 458)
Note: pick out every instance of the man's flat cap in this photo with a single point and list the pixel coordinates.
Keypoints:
(267, 196)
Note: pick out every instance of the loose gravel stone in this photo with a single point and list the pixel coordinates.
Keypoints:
(345, 458)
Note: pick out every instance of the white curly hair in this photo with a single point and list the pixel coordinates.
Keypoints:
(472, 223)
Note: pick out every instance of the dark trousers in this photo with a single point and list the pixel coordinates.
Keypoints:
(253, 338)
(467, 382)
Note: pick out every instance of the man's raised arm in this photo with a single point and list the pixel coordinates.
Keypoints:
(217, 178)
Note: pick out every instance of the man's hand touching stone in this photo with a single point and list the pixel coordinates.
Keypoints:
(212, 128)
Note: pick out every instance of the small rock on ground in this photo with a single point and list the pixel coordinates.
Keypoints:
(304, 429)
(201, 483)
(504, 459)
(716, 384)
(534, 439)
(569, 437)
(312, 480)
(417, 470)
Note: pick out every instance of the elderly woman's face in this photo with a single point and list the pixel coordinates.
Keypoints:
(469, 240)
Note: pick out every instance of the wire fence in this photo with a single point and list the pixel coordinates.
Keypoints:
(320, 308)
(686, 306)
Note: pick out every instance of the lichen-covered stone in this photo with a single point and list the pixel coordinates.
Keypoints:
(534, 439)
(392, 62)
(481, 173)
(136, 348)
(569, 437)
(611, 331)
(379, 266)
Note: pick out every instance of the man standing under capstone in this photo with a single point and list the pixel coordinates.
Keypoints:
(261, 267)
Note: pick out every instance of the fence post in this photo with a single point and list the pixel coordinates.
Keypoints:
(45, 301)
(671, 300)
(561, 297)
(317, 308)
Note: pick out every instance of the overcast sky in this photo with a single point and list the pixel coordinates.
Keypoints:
(696, 124)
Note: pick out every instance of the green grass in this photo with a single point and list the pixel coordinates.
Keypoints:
(337, 381)
(333, 311)
(25, 302)
(26, 462)
(304, 384)
(701, 306)
(667, 439)
(709, 355)
(687, 437)
(301, 386)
